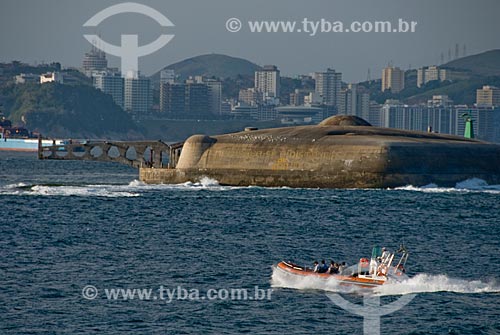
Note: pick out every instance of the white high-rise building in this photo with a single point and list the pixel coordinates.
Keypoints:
(488, 96)
(328, 87)
(137, 95)
(393, 78)
(355, 101)
(267, 81)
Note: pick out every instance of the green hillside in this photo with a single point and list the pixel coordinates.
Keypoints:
(481, 69)
(65, 111)
(483, 64)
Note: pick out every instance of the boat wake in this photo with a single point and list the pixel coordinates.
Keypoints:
(109, 191)
(427, 283)
(421, 283)
(137, 188)
(134, 189)
(473, 185)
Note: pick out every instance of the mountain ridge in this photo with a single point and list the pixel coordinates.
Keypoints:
(211, 65)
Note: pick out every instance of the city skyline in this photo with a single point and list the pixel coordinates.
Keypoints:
(352, 54)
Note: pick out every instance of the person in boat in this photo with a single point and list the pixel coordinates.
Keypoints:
(385, 254)
(323, 268)
(342, 267)
(316, 266)
(334, 268)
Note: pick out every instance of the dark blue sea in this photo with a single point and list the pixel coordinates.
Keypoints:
(67, 225)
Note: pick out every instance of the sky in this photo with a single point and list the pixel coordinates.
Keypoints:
(36, 31)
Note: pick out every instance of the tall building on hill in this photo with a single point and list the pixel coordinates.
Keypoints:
(393, 79)
(328, 87)
(267, 81)
(112, 84)
(488, 96)
(95, 60)
(432, 73)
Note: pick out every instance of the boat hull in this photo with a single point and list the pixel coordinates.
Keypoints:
(296, 270)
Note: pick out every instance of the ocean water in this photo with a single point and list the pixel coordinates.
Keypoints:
(66, 225)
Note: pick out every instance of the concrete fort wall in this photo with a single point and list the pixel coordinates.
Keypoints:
(331, 157)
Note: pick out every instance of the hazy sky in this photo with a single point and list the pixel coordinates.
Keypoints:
(51, 30)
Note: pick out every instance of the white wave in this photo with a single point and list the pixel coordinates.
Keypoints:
(15, 186)
(427, 283)
(81, 191)
(421, 283)
(137, 183)
(207, 182)
(473, 185)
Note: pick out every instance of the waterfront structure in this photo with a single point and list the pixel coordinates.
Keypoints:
(267, 81)
(297, 115)
(245, 112)
(328, 87)
(442, 119)
(419, 118)
(138, 97)
(112, 84)
(488, 96)
(340, 152)
(267, 112)
(393, 79)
